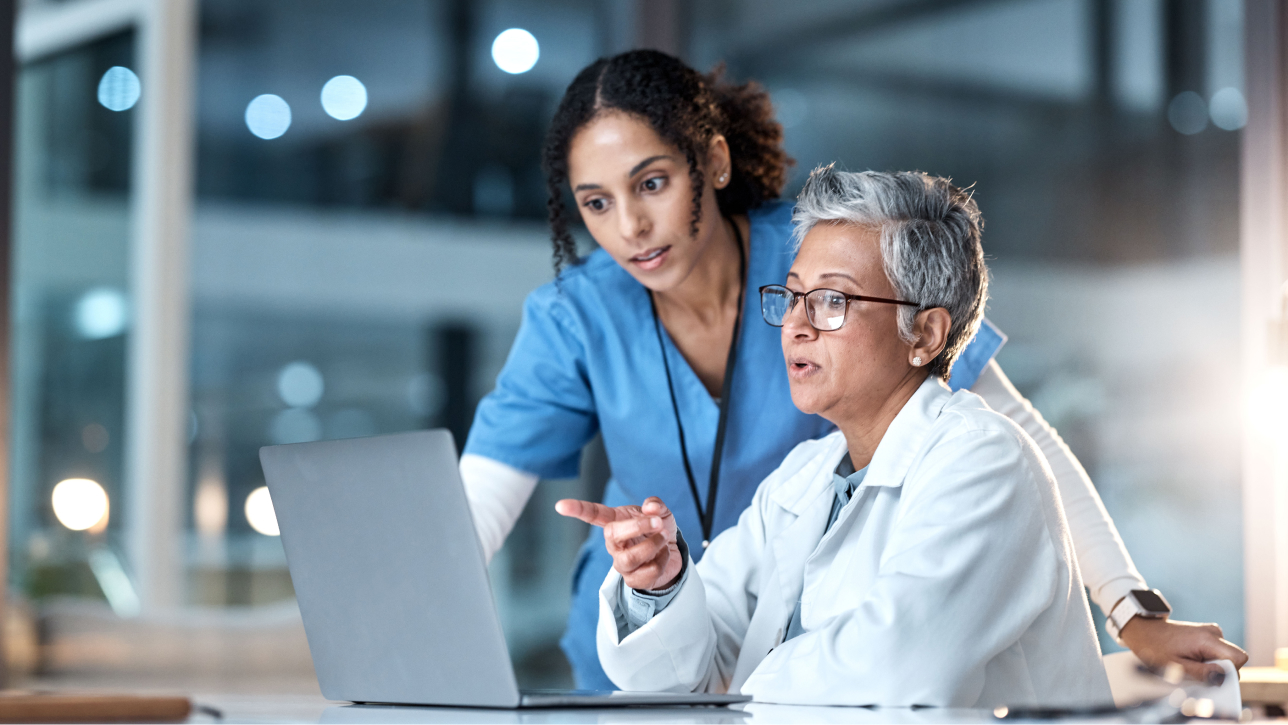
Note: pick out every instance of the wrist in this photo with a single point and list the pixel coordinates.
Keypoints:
(1138, 604)
(681, 554)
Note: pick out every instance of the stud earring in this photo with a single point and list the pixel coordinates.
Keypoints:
(916, 361)
(723, 177)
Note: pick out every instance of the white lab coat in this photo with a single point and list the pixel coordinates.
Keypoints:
(949, 579)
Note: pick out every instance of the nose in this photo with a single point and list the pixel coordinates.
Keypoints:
(633, 222)
(796, 323)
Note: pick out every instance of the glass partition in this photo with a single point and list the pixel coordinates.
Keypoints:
(71, 320)
(362, 178)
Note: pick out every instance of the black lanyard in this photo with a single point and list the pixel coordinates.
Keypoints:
(707, 516)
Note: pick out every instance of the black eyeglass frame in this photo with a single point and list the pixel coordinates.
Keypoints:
(797, 296)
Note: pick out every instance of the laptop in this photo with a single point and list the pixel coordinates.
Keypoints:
(391, 580)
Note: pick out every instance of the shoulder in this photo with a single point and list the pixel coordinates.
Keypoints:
(972, 434)
(772, 221)
(772, 213)
(580, 290)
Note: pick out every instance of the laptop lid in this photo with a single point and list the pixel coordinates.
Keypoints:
(388, 571)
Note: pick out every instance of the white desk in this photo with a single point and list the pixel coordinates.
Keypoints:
(297, 709)
(745, 714)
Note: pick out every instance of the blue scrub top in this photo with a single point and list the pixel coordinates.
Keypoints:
(586, 360)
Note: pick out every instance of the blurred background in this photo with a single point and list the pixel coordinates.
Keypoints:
(361, 172)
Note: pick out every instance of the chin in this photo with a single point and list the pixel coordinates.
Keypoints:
(806, 401)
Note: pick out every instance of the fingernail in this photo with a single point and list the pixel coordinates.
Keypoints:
(1216, 679)
(655, 523)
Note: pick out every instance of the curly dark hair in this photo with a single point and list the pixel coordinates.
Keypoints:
(687, 109)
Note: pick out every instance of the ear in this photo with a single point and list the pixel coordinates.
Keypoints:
(930, 330)
(719, 162)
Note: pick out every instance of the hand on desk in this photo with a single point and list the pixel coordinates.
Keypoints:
(641, 539)
(1159, 642)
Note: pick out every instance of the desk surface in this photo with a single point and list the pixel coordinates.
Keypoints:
(306, 709)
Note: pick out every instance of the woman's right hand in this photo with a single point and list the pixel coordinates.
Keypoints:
(641, 539)
(1160, 642)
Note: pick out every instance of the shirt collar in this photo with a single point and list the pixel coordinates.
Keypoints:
(845, 479)
(890, 463)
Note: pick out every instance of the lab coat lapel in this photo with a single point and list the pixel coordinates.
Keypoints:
(808, 496)
(903, 440)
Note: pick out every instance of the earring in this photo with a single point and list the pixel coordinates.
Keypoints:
(723, 177)
(916, 361)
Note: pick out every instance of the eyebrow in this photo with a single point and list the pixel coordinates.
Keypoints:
(825, 276)
(634, 170)
(640, 166)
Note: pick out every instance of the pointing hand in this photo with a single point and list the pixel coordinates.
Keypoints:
(641, 539)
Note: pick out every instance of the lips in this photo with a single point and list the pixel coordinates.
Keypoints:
(651, 259)
(800, 368)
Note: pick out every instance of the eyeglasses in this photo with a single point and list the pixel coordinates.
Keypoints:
(824, 308)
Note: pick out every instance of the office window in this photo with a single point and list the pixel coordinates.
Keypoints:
(1101, 140)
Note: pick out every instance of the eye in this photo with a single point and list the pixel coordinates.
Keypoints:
(596, 203)
(834, 301)
(653, 183)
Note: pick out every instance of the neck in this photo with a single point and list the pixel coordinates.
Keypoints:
(864, 430)
(714, 280)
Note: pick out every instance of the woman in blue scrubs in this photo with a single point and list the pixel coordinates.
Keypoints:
(655, 340)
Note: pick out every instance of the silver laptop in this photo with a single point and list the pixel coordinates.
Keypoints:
(391, 580)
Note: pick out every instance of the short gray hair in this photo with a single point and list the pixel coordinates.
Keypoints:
(930, 242)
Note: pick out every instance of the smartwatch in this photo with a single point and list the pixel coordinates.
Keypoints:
(1146, 603)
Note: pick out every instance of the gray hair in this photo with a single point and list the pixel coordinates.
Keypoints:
(930, 242)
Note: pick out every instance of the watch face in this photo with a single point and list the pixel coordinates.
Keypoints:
(1151, 601)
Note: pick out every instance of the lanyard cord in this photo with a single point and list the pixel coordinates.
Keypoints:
(707, 515)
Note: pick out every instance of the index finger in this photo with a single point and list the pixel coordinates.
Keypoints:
(596, 514)
(1227, 650)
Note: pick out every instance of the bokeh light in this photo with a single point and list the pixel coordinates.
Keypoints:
(119, 89)
(300, 384)
(344, 98)
(100, 313)
(268, 116)
(294, 425)
(210, 507)
(1228, 109)
(515, 51)
(1188, 113)
(260, 514)
(79, 503)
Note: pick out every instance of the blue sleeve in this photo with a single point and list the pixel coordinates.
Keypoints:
(982, 348)
(542, 411)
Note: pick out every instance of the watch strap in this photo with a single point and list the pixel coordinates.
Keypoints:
(1130, 607)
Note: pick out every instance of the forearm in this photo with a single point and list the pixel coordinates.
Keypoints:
(497, 494)
(1107, 568)
(673, 651)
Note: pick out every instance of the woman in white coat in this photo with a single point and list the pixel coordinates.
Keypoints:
(920, 554)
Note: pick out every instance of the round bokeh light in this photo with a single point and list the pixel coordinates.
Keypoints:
(515, 51)
(344, 98)
(119, 89)
(79, 503)
(268, 116)
(260, 514)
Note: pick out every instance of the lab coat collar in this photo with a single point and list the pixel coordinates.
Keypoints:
(894, 455)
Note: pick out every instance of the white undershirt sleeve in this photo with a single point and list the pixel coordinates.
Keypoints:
(1107, 568)
(497, 494)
